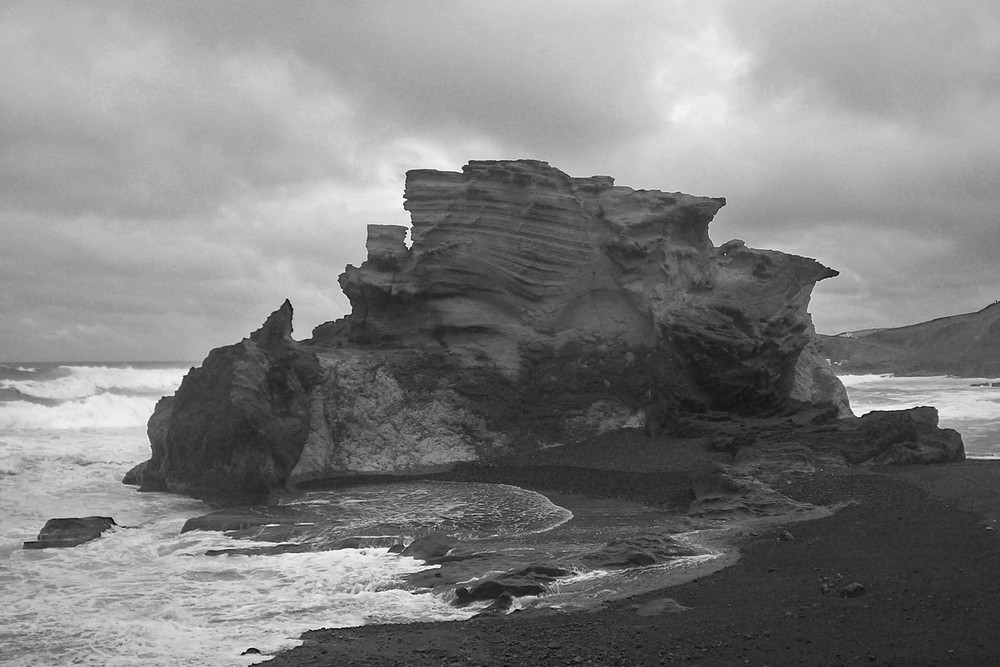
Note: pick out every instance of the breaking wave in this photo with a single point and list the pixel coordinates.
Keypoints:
(50, 396)
(71, 382)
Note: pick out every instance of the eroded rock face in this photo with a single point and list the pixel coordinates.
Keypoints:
(532, 308)
(236, 426)
(601, 287)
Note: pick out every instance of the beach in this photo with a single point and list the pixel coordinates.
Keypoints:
(916, 539)
(922, 542)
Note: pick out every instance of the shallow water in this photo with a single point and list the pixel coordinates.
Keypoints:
(149, 595)
(146, 594)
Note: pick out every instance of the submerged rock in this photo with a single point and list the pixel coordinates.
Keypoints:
(70, 532)
(429, 547)
(637, 551)
(531, 309)
(501, 605)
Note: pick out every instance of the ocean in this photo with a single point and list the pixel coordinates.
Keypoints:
(146, 594)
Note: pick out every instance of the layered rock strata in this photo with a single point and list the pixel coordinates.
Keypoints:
(531, 309)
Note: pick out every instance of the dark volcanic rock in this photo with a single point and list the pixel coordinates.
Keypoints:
(245, 518)
(134, 475)
(908, 436)
(70, 532)
(492, 589)
(499, 606)
(720, 490)
(637, 551)
(428, 547)
(236, 426)
(291, 548)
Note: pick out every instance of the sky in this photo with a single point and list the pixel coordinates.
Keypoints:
(170, 172)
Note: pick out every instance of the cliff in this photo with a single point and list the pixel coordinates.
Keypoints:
(964, 345)
(531, 309)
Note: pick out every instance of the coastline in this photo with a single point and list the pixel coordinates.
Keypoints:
(922, 541)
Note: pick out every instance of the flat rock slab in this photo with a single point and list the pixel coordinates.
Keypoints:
(70, 532)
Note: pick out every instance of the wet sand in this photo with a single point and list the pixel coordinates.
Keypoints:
(922, 542)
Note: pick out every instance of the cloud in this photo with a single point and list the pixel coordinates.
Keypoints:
(173, 171)
(888, 59)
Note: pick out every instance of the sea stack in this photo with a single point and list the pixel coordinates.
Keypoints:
(531, 309)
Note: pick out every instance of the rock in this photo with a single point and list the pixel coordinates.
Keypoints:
(70, 532)
(429, 547)
(786, 537)
(251, 651)
(721, 489)
(248, 518)
(134, 476)
(236, 426)
(501, 605)
(806, 441)
(491, 589)
(637, 551)
(852, 590)
(541, 571)
(531, 308)
(274, 550)
(901, 437)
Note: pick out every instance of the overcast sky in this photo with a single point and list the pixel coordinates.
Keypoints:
(171, 171)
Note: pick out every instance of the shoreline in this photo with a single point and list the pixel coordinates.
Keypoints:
(922, 541)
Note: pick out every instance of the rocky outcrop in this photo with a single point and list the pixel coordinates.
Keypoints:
(531, 309)
(964, 345)
(880, 437)
(236, 426)
(70, 532)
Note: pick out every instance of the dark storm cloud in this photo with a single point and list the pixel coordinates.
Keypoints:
(527, 74)
(895, 58)
(171, 171)
(103, 114)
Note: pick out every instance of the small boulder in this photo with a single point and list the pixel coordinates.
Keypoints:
(134, 476)
(70, 532)
(491, 589)
(852, 590)
(501, 605)
(637, 551)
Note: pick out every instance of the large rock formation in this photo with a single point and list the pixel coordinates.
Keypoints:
(531, 309)
(237, 424)
(965, 345)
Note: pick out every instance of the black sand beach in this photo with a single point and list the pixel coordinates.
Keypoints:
(922, 541)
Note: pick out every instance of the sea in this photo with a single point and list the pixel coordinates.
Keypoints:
(147, 594)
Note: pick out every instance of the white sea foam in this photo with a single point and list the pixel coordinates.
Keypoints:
(84, 381)
(163, 603)
(99, 411)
